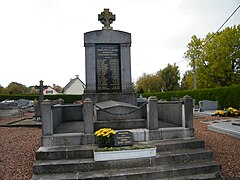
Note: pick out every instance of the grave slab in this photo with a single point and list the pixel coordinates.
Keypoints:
(226, 128)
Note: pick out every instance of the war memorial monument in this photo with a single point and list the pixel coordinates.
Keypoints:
(109, 101)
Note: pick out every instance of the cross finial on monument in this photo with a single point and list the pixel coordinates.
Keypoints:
(106, 18)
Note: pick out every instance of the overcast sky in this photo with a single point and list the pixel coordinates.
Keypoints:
(43, 39)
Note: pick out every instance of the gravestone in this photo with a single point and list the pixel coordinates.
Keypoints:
(108, 63)
(38, 112)
(206, 105)
(123, 138)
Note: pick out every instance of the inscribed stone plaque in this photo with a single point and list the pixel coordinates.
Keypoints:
(123, 138)
(108, 75)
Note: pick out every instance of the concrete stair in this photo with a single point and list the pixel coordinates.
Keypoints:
(176, 159)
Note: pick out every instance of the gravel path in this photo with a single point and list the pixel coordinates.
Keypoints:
(17, 152)
(226, 149)
(18, 147)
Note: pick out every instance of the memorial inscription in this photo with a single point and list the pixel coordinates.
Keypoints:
(123, 138)
(108, 77)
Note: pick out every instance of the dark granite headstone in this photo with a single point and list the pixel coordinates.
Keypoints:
(123, 138)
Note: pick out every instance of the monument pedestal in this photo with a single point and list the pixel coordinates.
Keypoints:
(108, 66)
(122, 97)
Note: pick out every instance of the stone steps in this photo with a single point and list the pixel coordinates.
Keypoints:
(175, 144)
(65, 152)
(65, 139)
(153, 172)
(178, 158)
(88, 164)
(86, 151)
(210, 176)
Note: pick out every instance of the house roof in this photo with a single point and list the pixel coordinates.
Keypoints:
(71, 82)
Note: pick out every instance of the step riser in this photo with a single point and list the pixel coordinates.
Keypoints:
(79, 153)
(64, 155)
(167, 174)
(177, 146)
(121, 164)
(60, 140)
(161, 174)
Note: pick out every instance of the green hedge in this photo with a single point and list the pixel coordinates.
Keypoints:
(66, 97)
(226, 96)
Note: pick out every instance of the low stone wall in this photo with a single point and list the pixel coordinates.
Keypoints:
(170, 111)
(10, 111)
(57, 115)
(64, 113)
(72, 112)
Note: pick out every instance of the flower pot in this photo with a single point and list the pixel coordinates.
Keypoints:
(106, 144)
(124, 154)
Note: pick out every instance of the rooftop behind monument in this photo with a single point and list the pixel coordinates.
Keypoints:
(110, 101)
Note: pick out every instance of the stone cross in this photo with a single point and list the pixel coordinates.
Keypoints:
(106, 18)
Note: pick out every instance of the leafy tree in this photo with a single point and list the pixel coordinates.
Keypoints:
(17, 88)
(163, 80)
(148, 83)
(170, 77)
(1, 89)
(57, 88)
(216, 57)
(33, 90)
(187, 80)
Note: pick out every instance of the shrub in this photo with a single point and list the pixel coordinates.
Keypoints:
(66, 97)
(226, 96)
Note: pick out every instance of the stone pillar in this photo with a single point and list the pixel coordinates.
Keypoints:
(188, 110)
(47, 121)
(88, 117)
(152, 113)
(38, 112)
(41, 97)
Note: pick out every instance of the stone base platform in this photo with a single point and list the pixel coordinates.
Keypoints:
(126, 97)
(63, 138)
(183, 158)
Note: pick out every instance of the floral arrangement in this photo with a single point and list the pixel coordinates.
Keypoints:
(105, 137)
(232, 112)
(219, 113)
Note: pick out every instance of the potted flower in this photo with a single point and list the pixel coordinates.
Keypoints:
(105, 137)
(130, 152)
(219, 113)
(232, 112)
(107, 150)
